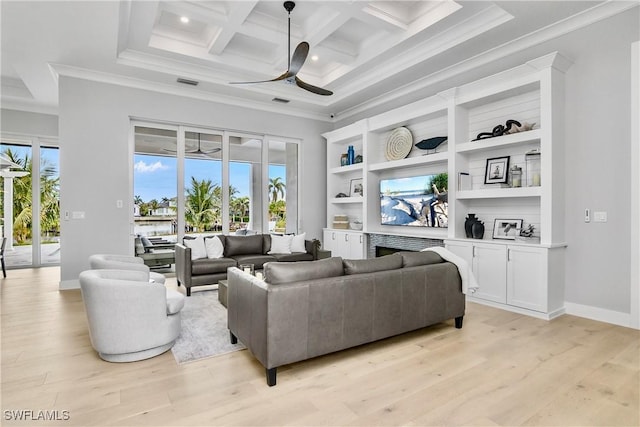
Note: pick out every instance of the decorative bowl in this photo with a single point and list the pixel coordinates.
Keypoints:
(355, 225)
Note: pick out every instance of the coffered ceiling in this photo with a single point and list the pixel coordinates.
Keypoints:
(363, 51)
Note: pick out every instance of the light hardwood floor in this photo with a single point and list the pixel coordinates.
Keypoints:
(499, 369)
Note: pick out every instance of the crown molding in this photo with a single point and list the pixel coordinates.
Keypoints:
(118, 80)
(590, 16)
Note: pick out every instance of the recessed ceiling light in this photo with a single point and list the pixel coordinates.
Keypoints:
(184, 19)
(314, 58)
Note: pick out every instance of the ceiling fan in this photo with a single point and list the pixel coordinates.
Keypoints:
(197, 151)
(294, 63)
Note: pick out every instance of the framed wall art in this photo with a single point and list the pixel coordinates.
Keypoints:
(497, 170)
(506, 229)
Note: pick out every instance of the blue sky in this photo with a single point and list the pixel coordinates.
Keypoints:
(155, 176)
(416, 183)
(48, 155)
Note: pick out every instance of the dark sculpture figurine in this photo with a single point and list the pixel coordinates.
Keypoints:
(499, 130)
(431, 143)
(341, 195)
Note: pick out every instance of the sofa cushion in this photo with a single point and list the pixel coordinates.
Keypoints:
(242, 245)
(287, 272)
(280, 244)
(359, 266)
(211, 266)
(294, 256)
(256, 259)
(412, 259)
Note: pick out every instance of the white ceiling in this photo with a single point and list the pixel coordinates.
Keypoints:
(368, 51)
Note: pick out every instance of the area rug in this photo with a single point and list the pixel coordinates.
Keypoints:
(204, 329)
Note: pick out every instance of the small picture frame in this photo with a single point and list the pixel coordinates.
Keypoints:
(497, 170)
(356, 188)
(506, 229)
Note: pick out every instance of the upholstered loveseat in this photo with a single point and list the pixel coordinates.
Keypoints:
(204, 269)
(308, 309)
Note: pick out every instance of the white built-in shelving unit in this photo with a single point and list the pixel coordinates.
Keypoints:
(524, 276)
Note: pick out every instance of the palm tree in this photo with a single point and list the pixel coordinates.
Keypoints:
(276, 186)
(22, 206)
(202, 204)
(240, 206)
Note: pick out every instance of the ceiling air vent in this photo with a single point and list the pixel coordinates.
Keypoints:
(187, 81)
(281, 100)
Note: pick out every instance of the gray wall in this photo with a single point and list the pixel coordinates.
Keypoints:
(94, 134)
(598, 151)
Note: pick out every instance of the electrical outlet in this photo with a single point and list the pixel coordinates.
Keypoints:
(587, 215)
(119, 204)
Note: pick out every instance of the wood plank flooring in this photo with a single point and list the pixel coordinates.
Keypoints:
(501, 368)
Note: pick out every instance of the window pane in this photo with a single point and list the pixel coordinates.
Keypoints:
(283, 187)
(16, 216)
(203, 183)
(155, 183)
(49, 206)
(245, 183)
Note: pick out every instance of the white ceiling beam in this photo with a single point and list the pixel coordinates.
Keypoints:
(356, 10)
(237, 16)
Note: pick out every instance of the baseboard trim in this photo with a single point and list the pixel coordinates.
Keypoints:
(66, 285)
(599, 314)
(514, 309)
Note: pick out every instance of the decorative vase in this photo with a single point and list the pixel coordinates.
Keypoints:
(468, 223)
(477, 230)
(351, 154)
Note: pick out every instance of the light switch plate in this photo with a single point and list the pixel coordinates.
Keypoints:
(600, 217)
(587, 215)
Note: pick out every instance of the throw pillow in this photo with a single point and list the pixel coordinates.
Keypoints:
(198, 250)
(214, 247)
(297, 243)
(280, 244)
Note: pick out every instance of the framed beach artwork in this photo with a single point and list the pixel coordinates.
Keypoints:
(356, 187)
(506, 229)
(497, 170)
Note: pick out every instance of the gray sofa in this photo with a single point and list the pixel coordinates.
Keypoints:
(249, 249)
(308, 309)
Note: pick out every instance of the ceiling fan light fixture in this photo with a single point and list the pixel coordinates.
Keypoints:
(294, 63)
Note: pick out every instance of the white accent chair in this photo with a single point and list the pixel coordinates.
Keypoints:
(129, 318)
(123, 262)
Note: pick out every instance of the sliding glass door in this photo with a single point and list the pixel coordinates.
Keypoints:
(189, 180)
(30, 201)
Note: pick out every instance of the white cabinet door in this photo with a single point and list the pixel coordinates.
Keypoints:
(488, 267)
(526, 278)
(329, 241)
(462, 249)
(354, 246)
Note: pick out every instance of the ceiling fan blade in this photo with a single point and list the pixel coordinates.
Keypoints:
(280, 77)
(298, 58)
(311, 88)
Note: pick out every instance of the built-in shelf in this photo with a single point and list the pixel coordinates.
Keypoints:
(499, 193)
(345, 200)
(499, 141)
(347, 169)
(411, 161)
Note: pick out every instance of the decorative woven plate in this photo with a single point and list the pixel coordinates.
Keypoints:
(399, 144)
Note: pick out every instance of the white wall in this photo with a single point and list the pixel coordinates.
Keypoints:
(94, 131)
(27, 123)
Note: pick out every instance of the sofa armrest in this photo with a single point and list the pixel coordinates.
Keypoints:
(312, 247)
(183, 264)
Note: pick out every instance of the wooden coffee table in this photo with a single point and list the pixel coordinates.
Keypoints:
(222, 292)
